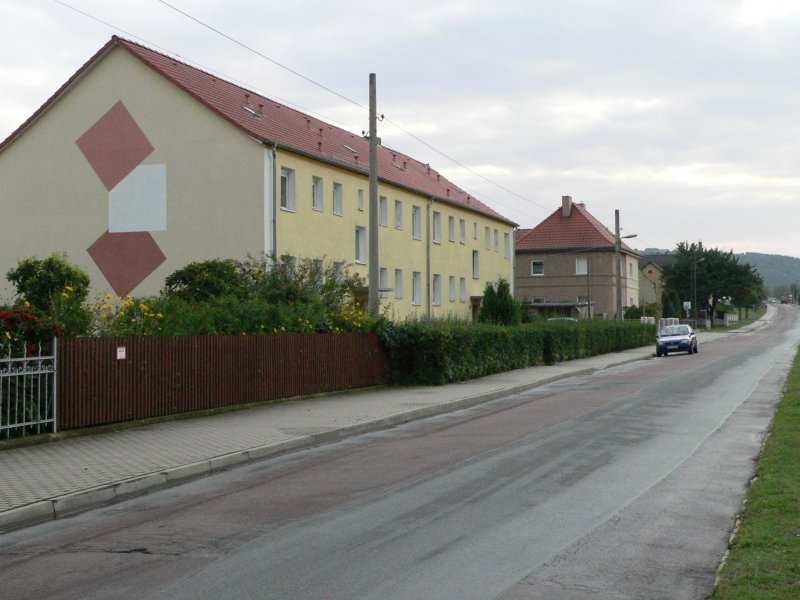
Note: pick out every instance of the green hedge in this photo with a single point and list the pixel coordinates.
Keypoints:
(429, 352)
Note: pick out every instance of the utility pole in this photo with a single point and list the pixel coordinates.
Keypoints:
(618, 254)
(373, 277)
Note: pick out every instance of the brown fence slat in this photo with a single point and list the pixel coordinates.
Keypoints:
(168, 375)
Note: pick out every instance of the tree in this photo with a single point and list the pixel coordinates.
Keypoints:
(717, 274)
(499, 307)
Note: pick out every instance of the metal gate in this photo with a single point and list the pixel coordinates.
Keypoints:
(27, 391)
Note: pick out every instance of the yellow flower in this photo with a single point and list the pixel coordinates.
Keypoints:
(64, 295)
(69, 287)
(109, 297)
(160, 316)
(26, 304)
(8, 335)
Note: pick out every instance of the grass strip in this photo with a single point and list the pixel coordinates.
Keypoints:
(764, 558)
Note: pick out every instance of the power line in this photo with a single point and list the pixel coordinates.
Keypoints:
(343, 97)
(309, 80)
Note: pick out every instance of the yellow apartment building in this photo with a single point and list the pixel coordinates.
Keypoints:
(141, 164)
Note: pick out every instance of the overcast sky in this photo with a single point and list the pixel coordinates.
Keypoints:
(684, 115)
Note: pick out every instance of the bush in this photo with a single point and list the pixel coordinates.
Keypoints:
(199, 281)
(23, 332)
(499, 307)
(436, 352)
(41, 282)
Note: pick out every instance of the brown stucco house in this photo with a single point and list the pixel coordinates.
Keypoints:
(566, 266)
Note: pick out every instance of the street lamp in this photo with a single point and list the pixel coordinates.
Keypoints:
(618, 253)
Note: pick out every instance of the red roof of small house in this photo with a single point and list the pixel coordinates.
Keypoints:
(273, 123)
(579, 231)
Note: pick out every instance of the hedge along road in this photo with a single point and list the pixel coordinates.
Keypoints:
(625, 483)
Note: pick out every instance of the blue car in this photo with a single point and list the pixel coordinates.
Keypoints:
(676, 338)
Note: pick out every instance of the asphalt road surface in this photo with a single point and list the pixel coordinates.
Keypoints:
(622, 484)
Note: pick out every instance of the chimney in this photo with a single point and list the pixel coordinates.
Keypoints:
(566, 205)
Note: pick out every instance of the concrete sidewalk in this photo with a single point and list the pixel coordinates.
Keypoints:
(48, 481)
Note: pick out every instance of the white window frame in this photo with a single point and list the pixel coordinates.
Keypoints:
(416, 288)
(462, 285)
(398, 283)
(383, 281)
(317, 188)
(533, 270)
(488, 235)
(452, 286)
(437, 289)
(476, 264)
(287, 190)
(416, 222)
(361, 245)
(462, 231)
(437, 227)
(398, 214)
(338, 208)
(383, 211)
(451, 228)
(475, 231)
(361, 200)
(496, 241)
(507, 245)
(581, 265)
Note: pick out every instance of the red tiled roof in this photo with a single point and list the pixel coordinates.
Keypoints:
(580, 230)
(290, 129)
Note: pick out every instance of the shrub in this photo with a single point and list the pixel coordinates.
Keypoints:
(40, 282)
(436, 352)
(499, 307)
(22, 331)
(199, 281)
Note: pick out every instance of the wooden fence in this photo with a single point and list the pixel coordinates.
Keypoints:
(110, 380)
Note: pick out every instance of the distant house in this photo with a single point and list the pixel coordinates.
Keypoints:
(651, 282)
(566, 266)
(141, 164)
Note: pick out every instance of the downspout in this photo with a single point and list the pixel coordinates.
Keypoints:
(274, 216)
(428, 258)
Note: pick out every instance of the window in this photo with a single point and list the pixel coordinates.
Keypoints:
(338, 271)
(416, 288)
(319, 271)
(361, 245)
(452, 289)
(437, 228)
(361, 200)
(383, 281)
(488, 235)
(291, 263)
(462, 285)
(287, 189)
(398, 214)
(316, 193)
(475, 231)
(462, 231)
(537, 300)
(383, 211)
(451, 229)
(583, 300)
(581, 266)
(537, 268)
(630, 269)
(398, 283)
(416, 222)
(476, 270)
(506, 245)
(337, 199)
(437, 290)
(496, 240)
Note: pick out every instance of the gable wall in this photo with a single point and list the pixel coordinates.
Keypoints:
(212, 201)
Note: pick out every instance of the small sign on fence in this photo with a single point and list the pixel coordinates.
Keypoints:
(120, 352)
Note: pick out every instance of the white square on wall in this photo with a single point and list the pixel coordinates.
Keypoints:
(139, 202)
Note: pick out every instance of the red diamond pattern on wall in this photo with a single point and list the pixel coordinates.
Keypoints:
(126, 259)
(114, 146)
